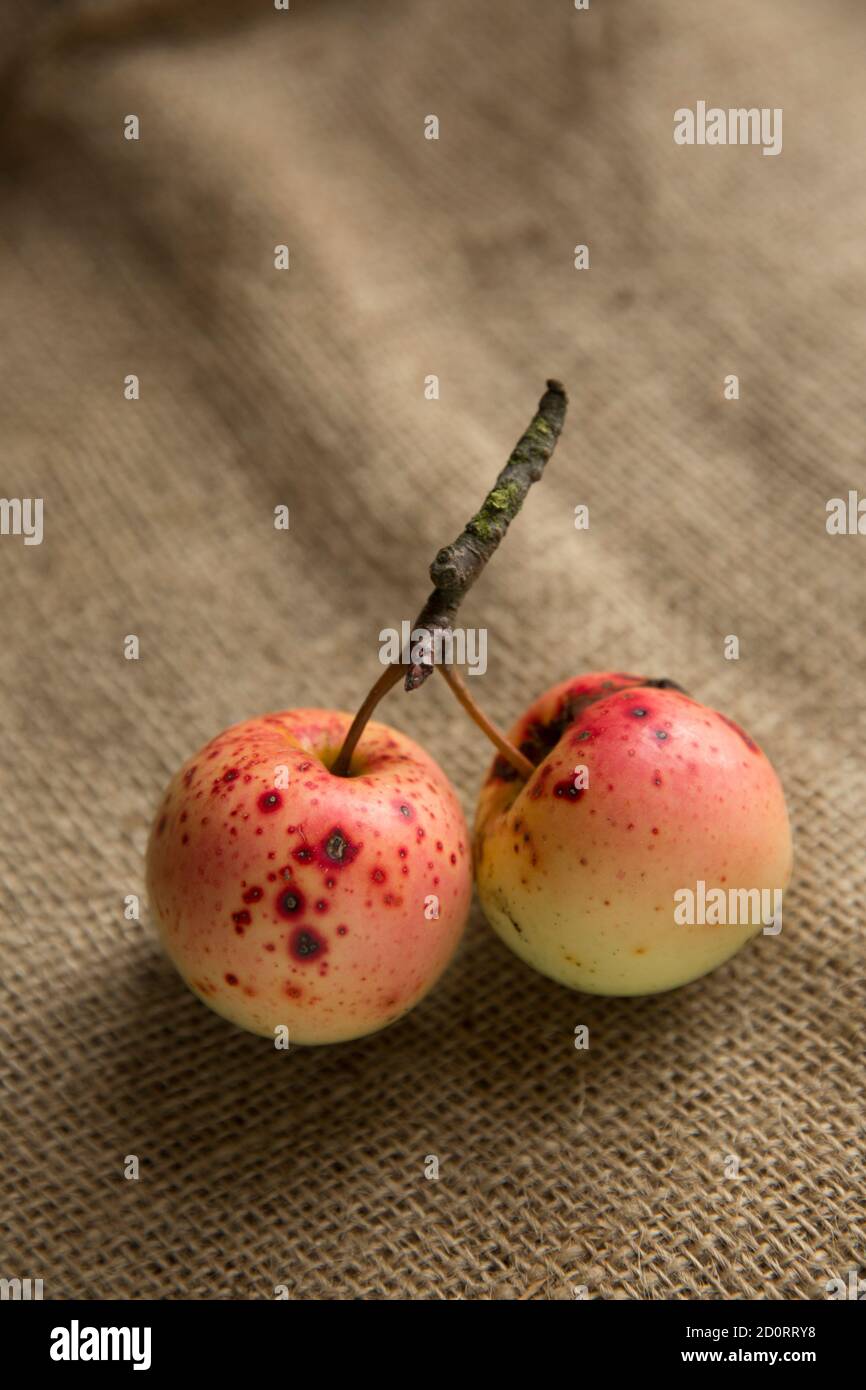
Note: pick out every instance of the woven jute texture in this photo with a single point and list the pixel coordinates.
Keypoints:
(608, 1168)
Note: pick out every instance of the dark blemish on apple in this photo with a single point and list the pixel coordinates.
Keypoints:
(378, 875)
(342, 931)
(502, 771)
(338, 848)
(305, 944)
(269, 946)
(182, 817)
(639, 712)
(568, 791)
(161, 826)
(252, 895)
(538, 789)
(231, 979)
(514, 924)
(657, 781)
(304, 854)
(453, 858)
(231, 775)
(242, 918)
(270, 801)
(272, 878)
(405, 811)
(655, 830)
(289, 902)
(292, 991)
(184, 839)
(321, 905)
(419, 833)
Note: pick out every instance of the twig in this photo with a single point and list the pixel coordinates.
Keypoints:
(457, 566)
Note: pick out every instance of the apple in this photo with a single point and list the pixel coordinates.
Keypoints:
(286, 895)
(638, 794)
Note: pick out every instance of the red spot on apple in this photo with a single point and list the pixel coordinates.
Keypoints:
(567, 790)
(231, 979)
(336, 849)
(289, 903)
(252, 895)
(306, 944)
(269, 802)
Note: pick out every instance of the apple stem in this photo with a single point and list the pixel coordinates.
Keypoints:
(513, 755)
(388, 678)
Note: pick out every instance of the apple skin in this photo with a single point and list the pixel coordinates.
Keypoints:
(582, 887)
(304, 905)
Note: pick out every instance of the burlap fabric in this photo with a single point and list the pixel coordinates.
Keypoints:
(609, 1168)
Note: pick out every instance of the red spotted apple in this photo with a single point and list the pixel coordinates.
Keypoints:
(639, 794)
(286, 895)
